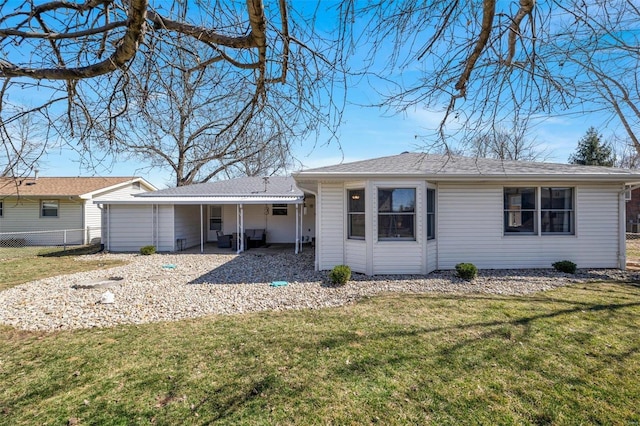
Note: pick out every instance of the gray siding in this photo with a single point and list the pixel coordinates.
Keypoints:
(331, 236)
(24, 216)
(130, 227)
(470, 229)
(187, 224)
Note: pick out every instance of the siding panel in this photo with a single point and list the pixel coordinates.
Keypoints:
(331, 238)
(470, 230)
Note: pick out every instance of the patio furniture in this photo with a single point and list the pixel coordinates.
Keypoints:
(224, 240)
(255, 237)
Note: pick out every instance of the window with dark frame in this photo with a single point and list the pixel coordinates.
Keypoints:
(215, 218)
(356, 221)
(49, 208)
(431, 214)
(555, 212)
(1, 208)
(556, 209)
(396, 213)
(279, 209)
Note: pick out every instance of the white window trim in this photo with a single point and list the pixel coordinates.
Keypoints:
(363, 213)
(49, 201)
(393, 186)
(538, 212)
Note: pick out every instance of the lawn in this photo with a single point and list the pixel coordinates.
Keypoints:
(20, 265)
(568, 356)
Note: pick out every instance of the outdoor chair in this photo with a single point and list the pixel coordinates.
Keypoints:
(224, 241)
(255, 237)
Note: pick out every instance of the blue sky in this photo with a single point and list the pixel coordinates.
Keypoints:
(365, 132)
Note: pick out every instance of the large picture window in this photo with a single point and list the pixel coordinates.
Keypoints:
(49, 208)
(551, 213)
(396, 213)
(556, 207)
(431, 214)
(356, 225)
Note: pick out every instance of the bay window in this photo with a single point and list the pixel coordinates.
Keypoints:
(356, 222)
(431, 214)
(396, 213)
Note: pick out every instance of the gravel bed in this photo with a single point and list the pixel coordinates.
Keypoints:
(169, 287)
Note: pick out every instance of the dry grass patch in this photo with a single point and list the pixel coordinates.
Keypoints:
(26, 264)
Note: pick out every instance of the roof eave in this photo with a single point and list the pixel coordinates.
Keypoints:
(631, 178)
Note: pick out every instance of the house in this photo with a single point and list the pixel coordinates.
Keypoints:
(191, 216)
(633, 210)
(415, 213)
(38, 210)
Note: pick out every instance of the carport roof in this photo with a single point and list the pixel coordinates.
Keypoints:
(246, 190)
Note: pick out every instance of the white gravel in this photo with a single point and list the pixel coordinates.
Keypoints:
(147, 290)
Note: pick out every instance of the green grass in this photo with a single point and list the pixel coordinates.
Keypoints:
(20, 265)
(569, 356)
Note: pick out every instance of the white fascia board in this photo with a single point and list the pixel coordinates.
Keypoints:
(628, 179)
(205, 200)
(143, 182)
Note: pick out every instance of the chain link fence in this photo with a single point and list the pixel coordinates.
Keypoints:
(57, 238)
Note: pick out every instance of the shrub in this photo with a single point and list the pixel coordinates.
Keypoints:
(147, 250)
(565, 266)
(466, 271)
(340, 274)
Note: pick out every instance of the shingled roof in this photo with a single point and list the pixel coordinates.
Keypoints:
(58, 186)
(445, 167)
(278, 186)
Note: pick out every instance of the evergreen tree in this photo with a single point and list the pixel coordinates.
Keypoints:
(591, 151)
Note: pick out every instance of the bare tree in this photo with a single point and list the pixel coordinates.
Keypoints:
(190, 120)
(23, 145)
(85, 58)
(505, 145)
(486, 63)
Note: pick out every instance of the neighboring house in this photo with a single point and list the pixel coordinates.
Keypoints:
(633, 210)
(189, 216)
(46, 206)
(416, 213)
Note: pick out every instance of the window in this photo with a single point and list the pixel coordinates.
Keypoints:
(49, 208)
(522, 214)
(396, 213)
(279, 209)
(1, 208)
(215, 218)
(556, 207)
(431, 214)
(355, 201)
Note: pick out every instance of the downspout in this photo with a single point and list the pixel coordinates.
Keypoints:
(201, 231)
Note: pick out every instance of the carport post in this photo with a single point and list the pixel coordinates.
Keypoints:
(297, 227)
(201, 231)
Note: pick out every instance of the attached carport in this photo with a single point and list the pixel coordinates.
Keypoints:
(175, 218)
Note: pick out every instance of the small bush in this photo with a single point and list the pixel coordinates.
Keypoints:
(466, 271)
(147, 250)
(340, 274)
(565, 266)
